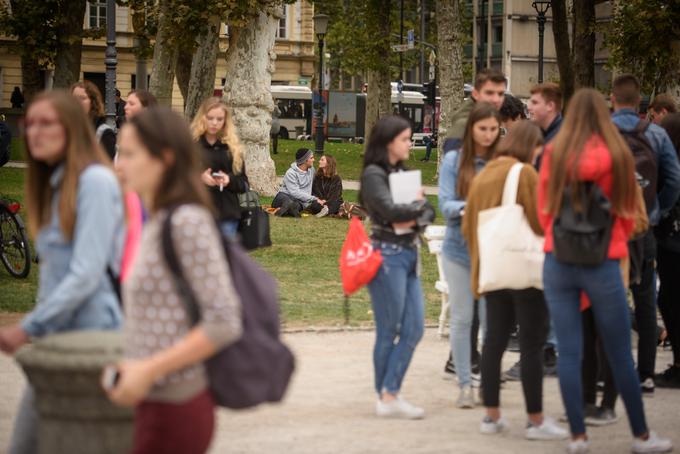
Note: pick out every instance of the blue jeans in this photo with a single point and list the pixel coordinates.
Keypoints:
(229, 228)
(398, 310)
(462, 306)
(603, 284)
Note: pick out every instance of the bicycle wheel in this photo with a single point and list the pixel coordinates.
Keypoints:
(15, 252)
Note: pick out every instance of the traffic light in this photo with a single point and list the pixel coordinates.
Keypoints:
(430, 92)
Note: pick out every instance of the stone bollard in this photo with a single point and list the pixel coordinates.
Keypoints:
(75, 415)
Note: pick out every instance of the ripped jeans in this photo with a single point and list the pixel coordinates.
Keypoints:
(398, 310)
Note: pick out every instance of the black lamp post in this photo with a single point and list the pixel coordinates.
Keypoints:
(111, 60)
(320, 27)
(541, 8)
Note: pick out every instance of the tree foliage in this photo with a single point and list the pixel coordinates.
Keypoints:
(641, 40)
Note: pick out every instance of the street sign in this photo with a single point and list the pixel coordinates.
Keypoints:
(432, 73)
(411, 40)
(432, 60)
(399, 47)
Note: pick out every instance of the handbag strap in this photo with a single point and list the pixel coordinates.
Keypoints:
(511, 184)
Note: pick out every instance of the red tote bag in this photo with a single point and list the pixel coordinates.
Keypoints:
(359, 262)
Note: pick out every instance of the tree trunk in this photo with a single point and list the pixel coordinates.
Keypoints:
(69, 31)
(378, 98)
(250, 65)
(584, 43)
(164, 57)
(203, 67)
(450, 38)
(31, 80)
(563, 48)
(183, 71)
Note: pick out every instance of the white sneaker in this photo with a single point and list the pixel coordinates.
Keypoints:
(489, 426)
(323, 212)
(466, 398)
(579, 446)
(398, 408)
(549, 430)
(652, 444)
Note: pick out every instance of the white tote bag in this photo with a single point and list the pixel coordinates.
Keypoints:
(510, 253)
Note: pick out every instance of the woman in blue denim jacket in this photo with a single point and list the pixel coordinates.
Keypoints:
(457, 171)
(75, 210)
(396, 294)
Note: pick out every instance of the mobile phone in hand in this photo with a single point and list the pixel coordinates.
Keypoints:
(110, 377)
(216, 174)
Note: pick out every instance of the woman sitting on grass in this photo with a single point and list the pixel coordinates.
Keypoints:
(327, 184)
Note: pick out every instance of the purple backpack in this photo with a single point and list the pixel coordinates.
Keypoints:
(257, 367)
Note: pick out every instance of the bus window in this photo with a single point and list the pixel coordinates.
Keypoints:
(292, 108)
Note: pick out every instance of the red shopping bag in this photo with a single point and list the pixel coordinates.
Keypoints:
(359, 263)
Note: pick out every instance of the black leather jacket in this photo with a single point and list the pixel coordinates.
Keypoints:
(377, 200)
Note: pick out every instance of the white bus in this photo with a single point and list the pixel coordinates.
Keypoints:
(295, 104)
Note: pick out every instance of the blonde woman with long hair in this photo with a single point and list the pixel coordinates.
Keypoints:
(223, 161)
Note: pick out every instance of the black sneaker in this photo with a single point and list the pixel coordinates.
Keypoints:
(670, 378)
(602, 417)
(647, 387)
(514, 373)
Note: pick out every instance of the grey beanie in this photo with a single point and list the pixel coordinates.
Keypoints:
(302, 155)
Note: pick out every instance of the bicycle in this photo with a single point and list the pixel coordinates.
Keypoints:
(15, 252)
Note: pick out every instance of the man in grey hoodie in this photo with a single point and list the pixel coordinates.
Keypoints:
(295, 193)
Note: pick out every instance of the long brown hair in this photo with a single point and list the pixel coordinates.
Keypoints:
(228, 133)
(521, 141)
(331, 167)
(163, 131)
(96, 100)
(588, 116)
(466, 170)
(81, 150)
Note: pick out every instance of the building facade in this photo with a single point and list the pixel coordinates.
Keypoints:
(295, 45)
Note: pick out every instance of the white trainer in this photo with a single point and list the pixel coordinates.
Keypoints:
(579, 446)
(489, 426)
(323, 212)
(652, 444)
(466, 398)
(398, 408)
(549, 430)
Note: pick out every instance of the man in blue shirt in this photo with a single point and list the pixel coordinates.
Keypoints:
(625, 99)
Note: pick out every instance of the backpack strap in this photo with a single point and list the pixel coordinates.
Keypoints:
(115, 284)
(186, 294)
(511, 184)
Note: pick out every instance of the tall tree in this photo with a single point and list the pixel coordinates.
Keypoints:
(69, 33)
(644, 39)
(584, 43)
(451, 35)
(378, 99)
(164, 55)
(563, 47)
(203, 67)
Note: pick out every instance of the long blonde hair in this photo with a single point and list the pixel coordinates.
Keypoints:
(228, 133)
(81, 150)
(588, 116)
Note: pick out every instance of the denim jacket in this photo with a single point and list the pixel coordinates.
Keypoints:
(450, 204)
(668, 182)
(74, 290)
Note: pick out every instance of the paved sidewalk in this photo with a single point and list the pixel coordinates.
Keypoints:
(329, 408)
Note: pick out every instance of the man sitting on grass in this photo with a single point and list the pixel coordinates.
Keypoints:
(295, 193)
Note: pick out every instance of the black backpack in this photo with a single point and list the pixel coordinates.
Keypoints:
(258, 367)
(646, 170)
(582, 237)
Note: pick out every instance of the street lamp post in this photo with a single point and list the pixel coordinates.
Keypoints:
(320, 27)
(111, 60)
(541, 8)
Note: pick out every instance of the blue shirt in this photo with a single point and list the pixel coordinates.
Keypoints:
(74, 290)
(668, 182)
(451, 204)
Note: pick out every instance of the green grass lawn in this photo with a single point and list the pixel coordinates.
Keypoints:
(304, 260)
(350, 158)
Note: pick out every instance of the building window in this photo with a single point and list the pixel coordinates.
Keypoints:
(97, 14)
(282, 30)
(498, 34)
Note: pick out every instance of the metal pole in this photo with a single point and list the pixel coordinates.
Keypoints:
(319, 114)
(541, 29)
(401, 54)
(423, 4)
(111, 60)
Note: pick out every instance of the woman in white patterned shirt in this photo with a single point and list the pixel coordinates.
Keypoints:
(163, 374)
